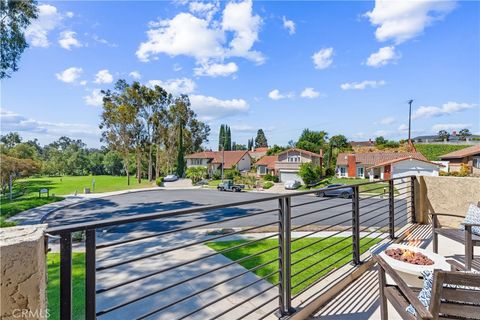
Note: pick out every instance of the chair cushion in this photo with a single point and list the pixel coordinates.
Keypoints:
(426, 293)
(473, 216)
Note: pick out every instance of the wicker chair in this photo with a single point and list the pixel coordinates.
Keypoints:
(445, 303)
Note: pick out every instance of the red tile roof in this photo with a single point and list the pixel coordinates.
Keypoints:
(268, 161)
(381, 164)
(462, 153)
(262, 149)
(313, 154)
(229, 158)
(374, 158)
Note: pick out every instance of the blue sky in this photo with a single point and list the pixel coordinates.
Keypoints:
(344, 67)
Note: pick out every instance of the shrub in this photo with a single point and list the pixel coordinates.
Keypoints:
(271, 177)
(267, 184)
(464, 170)
(231, 174)
(196, 173)
(310, 173)
(329, 172)
(217, 175)
(159, 181)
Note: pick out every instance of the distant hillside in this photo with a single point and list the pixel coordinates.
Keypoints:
(433, 151)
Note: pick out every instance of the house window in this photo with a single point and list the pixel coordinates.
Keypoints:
(262, 170)
(293, 159)
(343, 171)
(476, 162)
(360, 172)
(196, 162)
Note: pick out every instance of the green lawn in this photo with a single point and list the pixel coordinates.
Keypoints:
(53, 286)
(214, 183)
(59, 186)
(349, 181)
(11, 208)
(336, 252)
(433, 151)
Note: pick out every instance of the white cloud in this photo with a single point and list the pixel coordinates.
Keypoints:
(403, 127)
(309, 93)
(383, 57)
(382, 133)
(83, 82)
(210, 108)
(12, 121)
(135, 75)
(175, 86)
(323, 58)
(69, 75)
(48, 19)
(103, 76)
(446, 109)
(207, 41)
(104, 41)
(289, 25)
(387, 120)
(362, 85)
(239, 19)
(451, 126)
(216, 69)
(95, 98)
(403, 20)
(204, 9)
(67, 40)
(276, 95)
(177, 67)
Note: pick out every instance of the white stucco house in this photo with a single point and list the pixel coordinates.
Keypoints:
(407, 166)
(214, 160)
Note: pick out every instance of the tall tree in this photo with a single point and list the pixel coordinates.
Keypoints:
(443, 134)
(261, 139)
(10, 139)
(310, 140)
(336, 144)
(180, 153)
(119, 123)
(250, 144)
(228, 138)
(15, 17)
(221, 138)
(464, 133)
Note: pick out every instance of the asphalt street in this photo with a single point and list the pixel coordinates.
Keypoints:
(324, 211)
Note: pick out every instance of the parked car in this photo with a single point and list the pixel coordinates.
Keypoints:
(340, 192)
(170, 178)
(228, 185)
(292, 184)
(203, 182)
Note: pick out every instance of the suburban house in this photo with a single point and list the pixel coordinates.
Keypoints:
(469, 156)
(213, 160)
(384, 165)
(266, 165)
(258, 153)
(289, 161)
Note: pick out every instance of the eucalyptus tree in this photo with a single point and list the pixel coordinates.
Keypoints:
(15, 17)
(119, 122)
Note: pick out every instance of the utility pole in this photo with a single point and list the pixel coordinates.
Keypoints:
(223, 160)
(409, 119)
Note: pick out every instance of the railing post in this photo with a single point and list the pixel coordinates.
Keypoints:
(288, 255)
(356, 225)
(90, 275)
(391, 209)
(66, 276)
(285, 262)
(412, 199)
(281, 249)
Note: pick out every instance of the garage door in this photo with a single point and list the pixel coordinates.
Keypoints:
(286, 176)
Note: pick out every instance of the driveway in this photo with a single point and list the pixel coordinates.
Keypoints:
(164, 200)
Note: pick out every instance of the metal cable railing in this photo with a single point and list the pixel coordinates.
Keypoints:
(335, 236)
